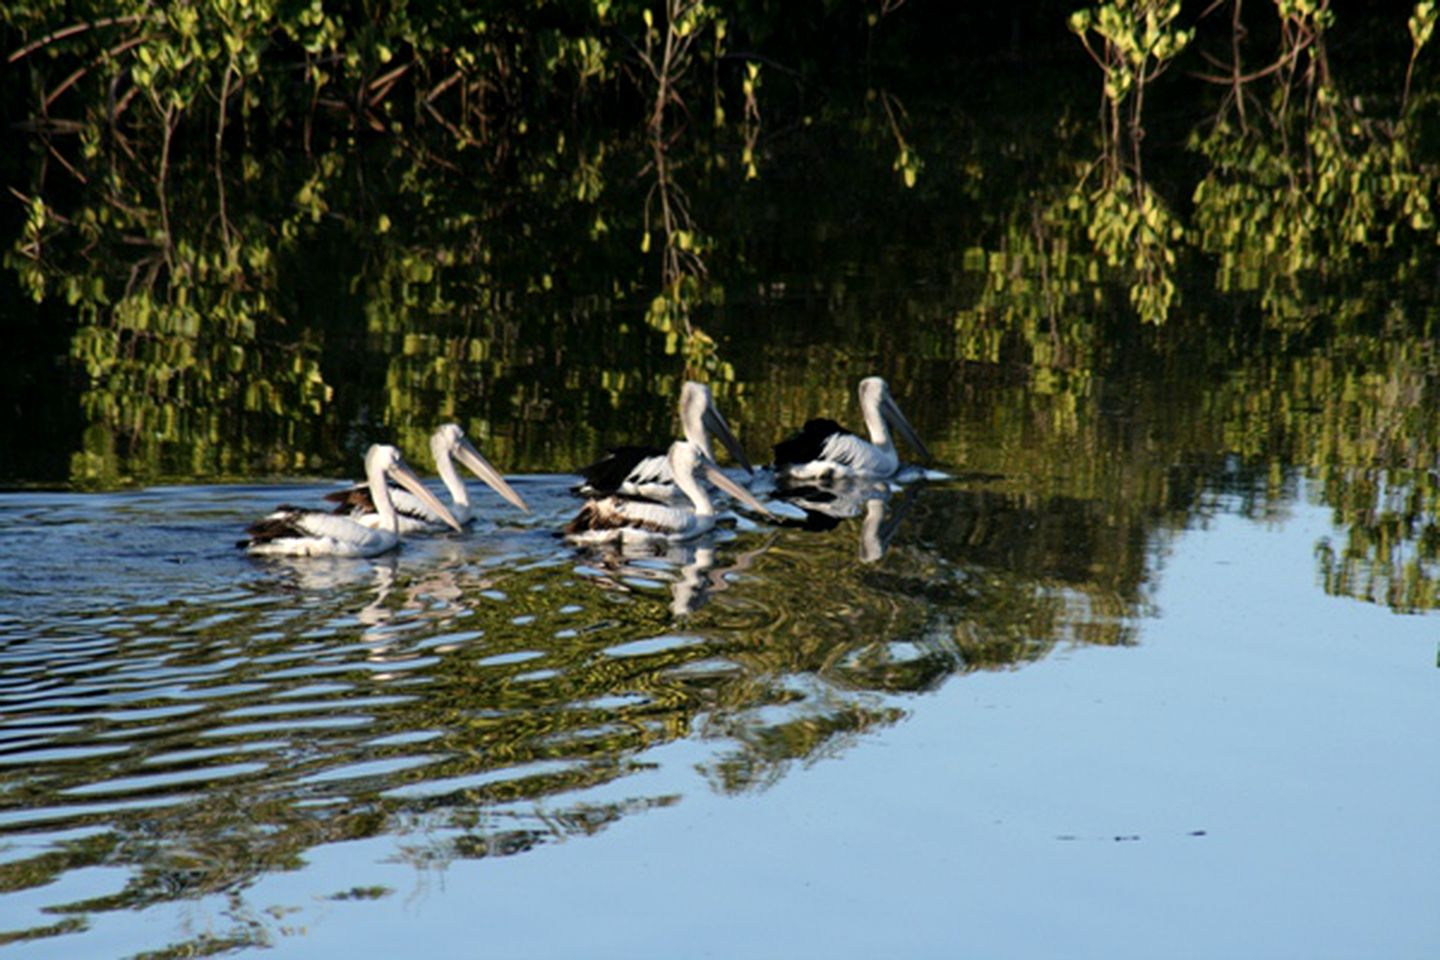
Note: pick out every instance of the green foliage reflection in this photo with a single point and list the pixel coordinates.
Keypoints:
(273, 235)
(471, 704)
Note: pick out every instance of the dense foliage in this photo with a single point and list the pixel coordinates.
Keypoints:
(238, 229)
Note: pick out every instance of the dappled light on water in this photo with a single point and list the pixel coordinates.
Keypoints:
(1158, 292)
(189, 719)
(173, 742)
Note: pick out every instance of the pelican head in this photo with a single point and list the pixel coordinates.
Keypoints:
(450, 441)
(698, 414)
(383, 462)
(879, 408)
(689, 463)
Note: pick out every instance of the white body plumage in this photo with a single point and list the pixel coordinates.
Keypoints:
(619, 518)
(645, 471)
(293, 532)
(320, 534)
(414, 515)
(846, 456)
(823, 451)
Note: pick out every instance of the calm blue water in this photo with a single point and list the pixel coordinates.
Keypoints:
(776, 743)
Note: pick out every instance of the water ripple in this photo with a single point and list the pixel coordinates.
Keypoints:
(197, 718)
(163, 783)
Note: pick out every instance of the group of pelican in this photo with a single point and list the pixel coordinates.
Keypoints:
(634, 493)
(371, 517)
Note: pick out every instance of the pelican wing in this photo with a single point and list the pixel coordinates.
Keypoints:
(633, 464)
(655, 517)
(345, 533)
(352, 500)
(615, 515)
(411, 507)
(357, 503)
(810, 443)
(296, 532)
(849, 450)
(276, 525)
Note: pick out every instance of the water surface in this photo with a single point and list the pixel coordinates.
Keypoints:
(1154, 674)
(912, 736)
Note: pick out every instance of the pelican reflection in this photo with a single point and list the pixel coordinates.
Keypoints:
(692, 570)
(880, 511)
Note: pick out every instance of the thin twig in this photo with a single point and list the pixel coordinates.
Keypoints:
(386, 79)
(49, 126)
(1280, 64)
(1237, 33)
(70, 31)
(66, 163)
(20, 196)
(219, 149)
(75, 77)
(455, 131)
(745, 56)
(162, 177)
(444, 85)
(64, 85)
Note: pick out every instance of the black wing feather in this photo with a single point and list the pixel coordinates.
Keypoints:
(356, 502)
(352, 501)
(609, 472)
(584, 521)
(808, 444)
(277, 526)
(598, 513)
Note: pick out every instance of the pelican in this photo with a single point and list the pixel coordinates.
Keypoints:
(823, 450)
(294, 532)
(630, 519)
(642, 471)
(447, 445)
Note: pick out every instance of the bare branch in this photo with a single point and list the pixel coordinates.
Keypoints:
(444, 85)
(79, 74)
(70, 31)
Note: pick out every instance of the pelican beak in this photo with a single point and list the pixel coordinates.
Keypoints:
(406, 477)
(713, 474)
(466, 453)
(897, 420)
(714, 421)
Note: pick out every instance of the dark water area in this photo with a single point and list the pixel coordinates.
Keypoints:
(1143, 668)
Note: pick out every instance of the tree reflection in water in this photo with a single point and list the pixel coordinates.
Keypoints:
(475, 698)
(233, 311)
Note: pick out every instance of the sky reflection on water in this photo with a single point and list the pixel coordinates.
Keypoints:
(503, 742)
